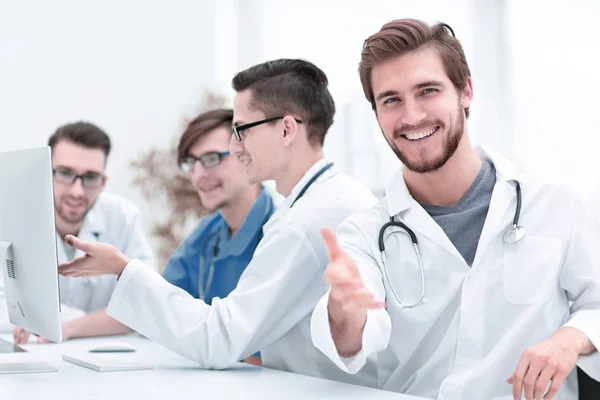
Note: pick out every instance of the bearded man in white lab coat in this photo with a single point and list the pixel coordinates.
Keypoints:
(484, 316)
(82, 209)
(282, 112)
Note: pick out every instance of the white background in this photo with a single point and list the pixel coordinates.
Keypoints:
(139, 68)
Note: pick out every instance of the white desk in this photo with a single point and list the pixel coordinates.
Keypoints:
(173, 377)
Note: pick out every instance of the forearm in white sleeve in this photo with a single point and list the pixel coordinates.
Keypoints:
(377, 330)
(278, 289)
(376, 336)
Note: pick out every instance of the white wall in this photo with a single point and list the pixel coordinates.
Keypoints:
(555, 84)
(137, 68)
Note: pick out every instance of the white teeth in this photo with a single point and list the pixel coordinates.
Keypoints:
(207, 188)
(420, 135)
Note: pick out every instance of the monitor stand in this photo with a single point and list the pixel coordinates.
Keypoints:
(7, 259)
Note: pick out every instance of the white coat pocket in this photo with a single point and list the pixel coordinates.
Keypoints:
(531, 268)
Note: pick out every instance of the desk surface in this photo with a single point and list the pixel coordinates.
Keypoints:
(173, 377)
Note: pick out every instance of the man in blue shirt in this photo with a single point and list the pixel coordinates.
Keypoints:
(212, 258)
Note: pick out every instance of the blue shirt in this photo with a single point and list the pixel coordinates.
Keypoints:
(209, 263)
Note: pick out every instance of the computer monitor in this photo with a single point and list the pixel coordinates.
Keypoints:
(28, 244)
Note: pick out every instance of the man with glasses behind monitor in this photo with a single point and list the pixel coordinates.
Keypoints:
(82, 208)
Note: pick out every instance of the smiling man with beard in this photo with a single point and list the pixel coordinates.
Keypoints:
(83, 209)
(473, 278)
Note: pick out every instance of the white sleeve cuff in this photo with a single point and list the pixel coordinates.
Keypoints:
(128, 272)
(586, 321)
(376, 336)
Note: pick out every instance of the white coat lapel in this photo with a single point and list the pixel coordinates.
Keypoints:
(500, 214)
(406, 209)
(504, 198)
(421, 223)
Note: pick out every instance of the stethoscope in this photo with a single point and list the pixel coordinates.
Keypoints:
(204, 288)
(513, 234)
(310, 182)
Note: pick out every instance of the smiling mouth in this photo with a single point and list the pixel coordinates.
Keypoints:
(209, 188)
(74, 205)
(420, 135)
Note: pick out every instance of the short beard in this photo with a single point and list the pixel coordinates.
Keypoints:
(69, 220)
(450, 145)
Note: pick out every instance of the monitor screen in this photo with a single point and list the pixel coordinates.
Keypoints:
(28, 242)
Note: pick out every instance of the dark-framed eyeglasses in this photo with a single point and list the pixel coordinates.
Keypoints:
(238, 129)
(91, 180)
(208, 160)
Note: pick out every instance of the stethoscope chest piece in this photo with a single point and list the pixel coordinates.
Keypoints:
(514, 234)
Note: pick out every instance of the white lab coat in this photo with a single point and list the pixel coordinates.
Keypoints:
(467, 338)
(114, 220)
(269, 311)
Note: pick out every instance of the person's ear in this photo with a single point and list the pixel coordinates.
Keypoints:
(466, 95)
(290, 130)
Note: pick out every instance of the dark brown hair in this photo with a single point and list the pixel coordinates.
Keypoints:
(287, 86)
(404, 35)
(82, 133)
(200, 126)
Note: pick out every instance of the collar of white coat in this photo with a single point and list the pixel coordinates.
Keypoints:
(312, 171)
(94, 222)
(400, 199)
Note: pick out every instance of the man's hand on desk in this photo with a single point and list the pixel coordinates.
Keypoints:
(549, 361)
(99, 259)
(21, 336)
(254, 360)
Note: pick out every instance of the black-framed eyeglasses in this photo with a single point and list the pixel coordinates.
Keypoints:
(91, 180)
(208, 160)
(237, 130)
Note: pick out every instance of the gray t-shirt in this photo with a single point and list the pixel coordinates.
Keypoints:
(463, 223)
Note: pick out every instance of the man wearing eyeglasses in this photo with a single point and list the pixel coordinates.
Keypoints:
(210, 261)
(282, 112)
(79, 153)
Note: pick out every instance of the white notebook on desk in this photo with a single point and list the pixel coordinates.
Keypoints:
(106, 363)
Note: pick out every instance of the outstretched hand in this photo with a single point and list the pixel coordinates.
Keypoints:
(343, 276)
(99, 259)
